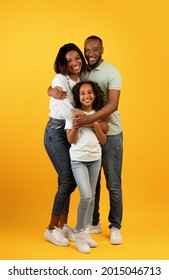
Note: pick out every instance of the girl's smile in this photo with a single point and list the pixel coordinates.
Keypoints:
(86, 96)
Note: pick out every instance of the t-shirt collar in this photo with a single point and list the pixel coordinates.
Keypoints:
(99, 67)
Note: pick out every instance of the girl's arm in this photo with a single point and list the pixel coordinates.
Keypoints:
(72, 135)
(102, 137)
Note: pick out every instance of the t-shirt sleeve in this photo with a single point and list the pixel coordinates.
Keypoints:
(68, 124)
(58, 81)
(114, 80)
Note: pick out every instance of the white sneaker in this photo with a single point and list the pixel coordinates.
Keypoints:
(69, 232)
(95, 229)
(91, 242)
(81, 242)
(115, 236)
(56, 236)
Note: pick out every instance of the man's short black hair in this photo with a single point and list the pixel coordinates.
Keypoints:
(95, 38)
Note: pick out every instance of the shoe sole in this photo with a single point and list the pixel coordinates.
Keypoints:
(83, 252)
(95, 231)
(116, 242)
(91, 246)
(54, 241)
(71, 239)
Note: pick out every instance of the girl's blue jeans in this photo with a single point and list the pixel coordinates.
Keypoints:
(86, 176)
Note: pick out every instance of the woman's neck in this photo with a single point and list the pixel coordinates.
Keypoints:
(74, 77)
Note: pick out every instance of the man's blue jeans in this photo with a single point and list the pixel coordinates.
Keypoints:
(112, 154)
(57, 147)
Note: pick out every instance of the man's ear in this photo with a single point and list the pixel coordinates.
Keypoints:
(102, 50)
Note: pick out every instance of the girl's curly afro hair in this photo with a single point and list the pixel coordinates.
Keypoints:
(99, 101)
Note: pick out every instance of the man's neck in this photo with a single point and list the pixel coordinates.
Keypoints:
(95, 66)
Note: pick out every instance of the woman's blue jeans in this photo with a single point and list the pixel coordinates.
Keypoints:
(57, 148)
(112, 154)
(86, 175)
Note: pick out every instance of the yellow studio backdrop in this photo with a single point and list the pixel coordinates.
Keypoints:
(135, 36)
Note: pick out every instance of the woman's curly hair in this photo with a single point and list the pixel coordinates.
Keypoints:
(99, 101)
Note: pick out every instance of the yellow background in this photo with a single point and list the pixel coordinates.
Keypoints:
(136, 41)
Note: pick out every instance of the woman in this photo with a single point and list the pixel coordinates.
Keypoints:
(69, 63)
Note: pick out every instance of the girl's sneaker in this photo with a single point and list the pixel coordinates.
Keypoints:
(91, 242)
(81, 242)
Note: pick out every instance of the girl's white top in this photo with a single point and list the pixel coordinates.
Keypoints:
(87, 146)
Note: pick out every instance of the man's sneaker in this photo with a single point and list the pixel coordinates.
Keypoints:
(95, 229)
(69, 232)
(81, 242)
(56, 236)
(115, 236)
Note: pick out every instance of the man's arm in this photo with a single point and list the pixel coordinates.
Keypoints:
(109, 108)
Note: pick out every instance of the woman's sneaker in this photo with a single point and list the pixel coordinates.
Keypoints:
(56, 236)
(81, 242)
(115, 236)
(69, 232)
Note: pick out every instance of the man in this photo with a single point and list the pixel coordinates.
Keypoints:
(108, 77)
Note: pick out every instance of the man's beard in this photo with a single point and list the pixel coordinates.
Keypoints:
(92, 66)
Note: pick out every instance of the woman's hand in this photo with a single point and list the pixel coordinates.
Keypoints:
(57, 93)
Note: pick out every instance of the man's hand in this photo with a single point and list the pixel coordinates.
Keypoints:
(104, 126)
(79, 120)
(57, 93)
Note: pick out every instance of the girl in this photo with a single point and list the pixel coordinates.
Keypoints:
(85, 154)
(69, 63)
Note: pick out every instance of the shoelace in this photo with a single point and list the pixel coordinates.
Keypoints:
(60, 231)
(115, 231)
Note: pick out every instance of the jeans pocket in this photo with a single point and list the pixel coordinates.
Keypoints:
(57, 124)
